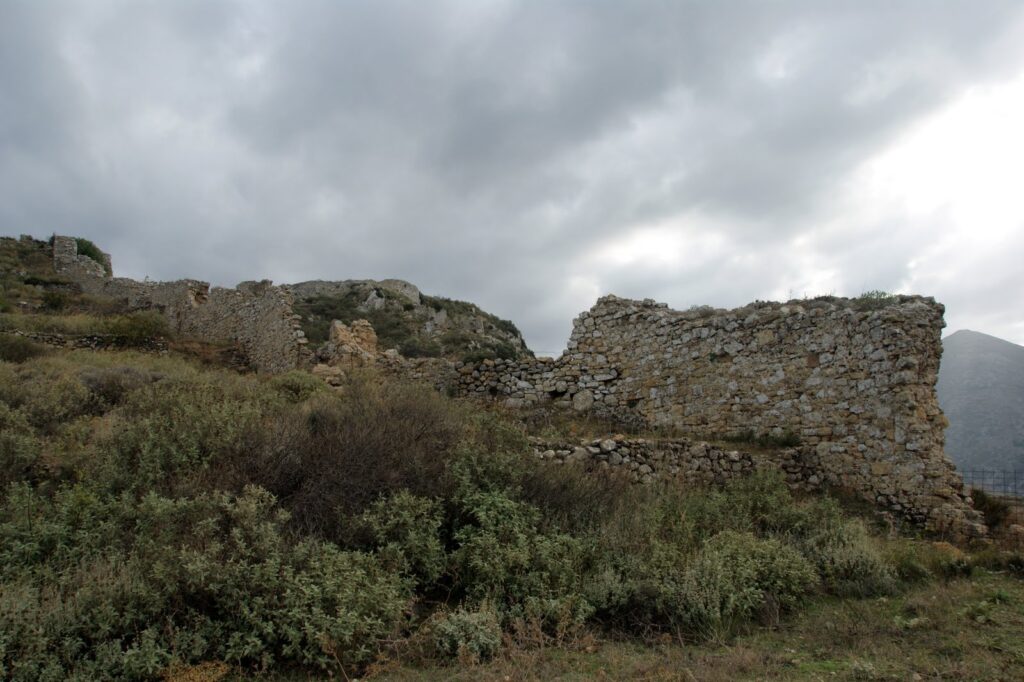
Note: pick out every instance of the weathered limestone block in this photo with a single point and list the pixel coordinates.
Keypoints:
(353, 345)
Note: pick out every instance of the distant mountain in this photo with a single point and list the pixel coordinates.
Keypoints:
(981, 390)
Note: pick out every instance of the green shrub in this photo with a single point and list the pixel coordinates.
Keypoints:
(466, 635)
(54, 300)
(501, 556)
(846, 559)
(297, 386)
(417, 347)
(491, 351)
(18, 348)
(214, 577)
(409, 528)
(167, 434)
(994, 509)
(736, 577)
(873, 300)
(49, 399)
(137, 328)
(110, 386)
(90, 250)
(19, 447)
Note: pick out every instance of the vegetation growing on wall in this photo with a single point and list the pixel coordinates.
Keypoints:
(88, 249)
(873, 300)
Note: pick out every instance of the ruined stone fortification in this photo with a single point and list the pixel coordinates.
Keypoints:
(256, 315)
(852, 386)
(855, 387)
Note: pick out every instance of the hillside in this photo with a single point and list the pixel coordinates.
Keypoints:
(981, 390)
(415, 324)
(166, 516)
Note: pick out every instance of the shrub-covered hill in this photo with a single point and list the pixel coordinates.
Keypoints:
(158, 517)
(415, 324)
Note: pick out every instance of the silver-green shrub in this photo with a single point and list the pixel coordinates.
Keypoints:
(471, 635)
(736, 577)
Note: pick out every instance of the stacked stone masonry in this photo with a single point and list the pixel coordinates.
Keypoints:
(256, 315)
(647, 460)
(855, 387)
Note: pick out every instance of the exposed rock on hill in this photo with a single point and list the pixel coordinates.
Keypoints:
(981, 390)
(405, 319)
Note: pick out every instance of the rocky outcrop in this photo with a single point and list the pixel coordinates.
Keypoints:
(406, 320)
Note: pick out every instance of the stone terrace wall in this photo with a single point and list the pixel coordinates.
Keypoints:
(256, 315)
(646, 460)
(857, 387)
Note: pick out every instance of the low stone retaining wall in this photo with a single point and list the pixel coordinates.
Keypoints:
(92, 341)
(648, 460)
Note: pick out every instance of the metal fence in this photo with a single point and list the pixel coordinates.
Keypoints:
(1005, 484)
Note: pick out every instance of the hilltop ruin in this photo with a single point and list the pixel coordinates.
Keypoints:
(848, 387)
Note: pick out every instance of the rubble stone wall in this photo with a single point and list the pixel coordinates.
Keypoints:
(256, 315)
(646, 460)
(853, 382)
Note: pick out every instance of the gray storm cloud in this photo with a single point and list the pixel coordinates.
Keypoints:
(490, 151)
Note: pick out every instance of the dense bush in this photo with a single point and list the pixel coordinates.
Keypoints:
(408, 528)
(329, 458)
(845, 557)
(90, 250)
(470, 635)
(55, 300)
(737, 577)
(19, 447)
(418, 347)
(111, 385)
(996, 510)
(137, 328)
(18, 348)
(155, 515)
(501, 556)
(131, 588)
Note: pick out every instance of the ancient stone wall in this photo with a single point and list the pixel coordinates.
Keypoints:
(853, 383)
(646, 460)
(256, 315)
(68, 261)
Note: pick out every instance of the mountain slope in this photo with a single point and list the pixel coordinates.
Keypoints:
(981, 390)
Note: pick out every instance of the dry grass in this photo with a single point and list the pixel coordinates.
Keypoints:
(75, 324)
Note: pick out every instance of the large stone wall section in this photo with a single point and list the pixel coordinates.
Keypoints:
(256, 315)
(856, 386)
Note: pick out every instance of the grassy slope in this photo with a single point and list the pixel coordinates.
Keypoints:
(967, 629)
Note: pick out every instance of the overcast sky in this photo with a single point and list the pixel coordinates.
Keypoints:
(531, 156)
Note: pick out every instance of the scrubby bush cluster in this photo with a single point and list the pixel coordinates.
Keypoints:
(154, 515)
